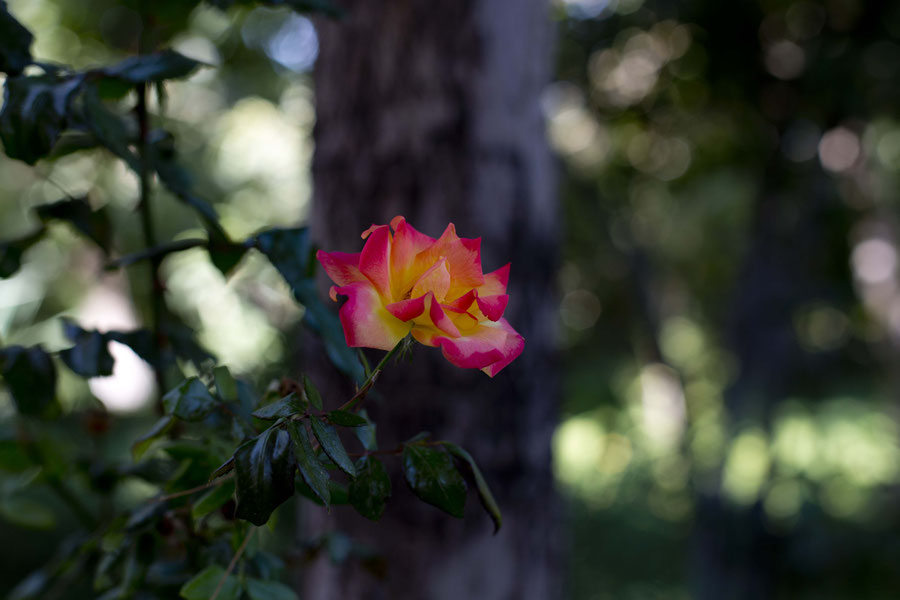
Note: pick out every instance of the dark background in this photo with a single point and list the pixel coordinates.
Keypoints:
(729, 309)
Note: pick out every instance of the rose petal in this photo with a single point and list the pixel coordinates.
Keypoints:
(463, 260)
(489, 346)
(436, 279)
(407, 310)
(512, 348)
(439, 318)
(493, 306)
(341, 267)
(462, 303)
(375, 260)
(495, 282)
(408, 242)
(366, 322)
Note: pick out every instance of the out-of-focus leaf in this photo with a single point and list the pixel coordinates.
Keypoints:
(433, 477)
(311, 470)
(143, 443)
(141, 342)
(225, 255)
(26, 513)
(15, 43)
(484, 492)
(289, 250)
(110, 129)
(323, 321)
(292, 253)
(181, 340)
(190, 401)
(178, 181)
(158, 66)
(288, 406)
(32, 587)
(226, 386)
(258, 589)
(30, 375)
(346, 418)
(265, 475)
(203, 585)
(11, 252)
(371, 488)
(331, 444)
(90, 356)
(35, 111)
(77, 211)
(212, 500)
(144, 515)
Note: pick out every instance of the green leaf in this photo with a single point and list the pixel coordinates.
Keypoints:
(90, 356)
(346, 419)
(35, 111)
(30, 376)
(337, 492)
(331, 444)
(11, 252)
(258, 589)
(265, 475)
(366, 433)
(484, 492)
(312, 393)
(212, 500)
(433, 477)
(190, 401)
(225, 255)
(158, 66)
(204, 584)
(143, 443)
(286, 407)
(311, 470)
(15, 43)
(371, 488)
(77, 211)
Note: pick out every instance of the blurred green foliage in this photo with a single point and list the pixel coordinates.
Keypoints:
(220, 456)
(730, 296)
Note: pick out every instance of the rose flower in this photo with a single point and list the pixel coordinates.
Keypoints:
(406, 281)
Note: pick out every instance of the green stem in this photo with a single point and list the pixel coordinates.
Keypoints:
(231, 565)
(156, 286)
(361, 394)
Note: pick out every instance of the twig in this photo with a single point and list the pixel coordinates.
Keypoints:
(156, 286)
(154, 252)
(199, 488)
(231, 565)
(361, 394)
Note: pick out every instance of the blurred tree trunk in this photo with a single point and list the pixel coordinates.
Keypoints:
(431, 110)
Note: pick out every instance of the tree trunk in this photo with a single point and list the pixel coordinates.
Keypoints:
(431, 110)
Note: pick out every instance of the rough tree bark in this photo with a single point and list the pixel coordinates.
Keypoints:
(431, 110)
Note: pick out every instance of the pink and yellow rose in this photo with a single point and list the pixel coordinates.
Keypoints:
(405, 281)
